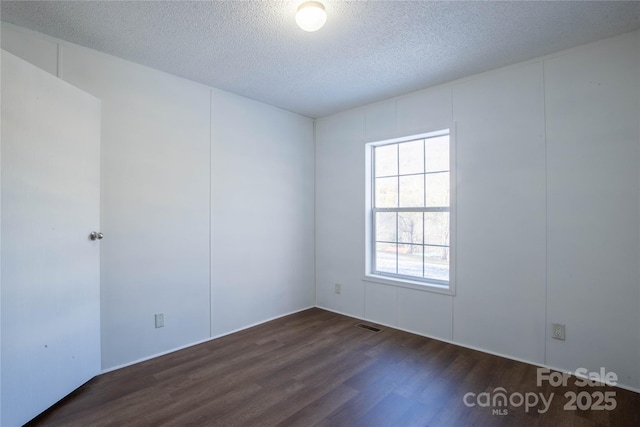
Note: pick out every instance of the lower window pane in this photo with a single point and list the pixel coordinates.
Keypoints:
(436, 228)
(410, 260)
(386, 226)
(436, 263)
(410, 227)
(386, 257)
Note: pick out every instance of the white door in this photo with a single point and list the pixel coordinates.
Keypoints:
(50, 181)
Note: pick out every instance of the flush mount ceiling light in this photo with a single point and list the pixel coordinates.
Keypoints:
(311, 16)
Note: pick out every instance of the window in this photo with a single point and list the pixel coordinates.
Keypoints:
(410, 223)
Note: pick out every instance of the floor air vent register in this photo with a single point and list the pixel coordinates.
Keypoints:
(368, 327)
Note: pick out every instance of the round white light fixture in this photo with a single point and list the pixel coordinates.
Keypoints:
(311, 16)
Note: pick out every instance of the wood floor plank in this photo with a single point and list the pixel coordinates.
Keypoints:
(205, 411)
(315, 412)
(387, 411)
(316, 368)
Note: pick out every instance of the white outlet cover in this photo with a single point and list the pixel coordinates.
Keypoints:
(558, 331)
(159, 318)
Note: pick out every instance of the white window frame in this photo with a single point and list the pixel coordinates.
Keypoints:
(431, 285)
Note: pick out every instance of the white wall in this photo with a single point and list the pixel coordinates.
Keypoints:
(593, 206)
(501, 216)
(547, 210)
(186, 168)
(262, 231)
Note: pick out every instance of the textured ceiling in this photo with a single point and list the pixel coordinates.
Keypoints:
(367, 51)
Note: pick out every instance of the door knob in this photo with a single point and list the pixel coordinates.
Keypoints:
(95, 235)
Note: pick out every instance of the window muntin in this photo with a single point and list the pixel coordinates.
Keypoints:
(411, 209)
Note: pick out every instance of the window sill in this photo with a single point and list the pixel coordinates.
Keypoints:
(410, 284)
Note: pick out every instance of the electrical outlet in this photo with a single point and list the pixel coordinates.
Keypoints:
(160, 320)
(338, 288)
(558, 331)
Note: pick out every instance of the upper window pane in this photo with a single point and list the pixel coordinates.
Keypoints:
(437, 154)
(437, 189)
(387, 192)
(412, 191)
(386, 160)
(411, 155)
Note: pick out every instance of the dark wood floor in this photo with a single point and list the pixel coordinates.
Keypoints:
(317, 368)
